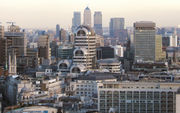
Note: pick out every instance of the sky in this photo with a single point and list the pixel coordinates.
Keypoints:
(48, 13)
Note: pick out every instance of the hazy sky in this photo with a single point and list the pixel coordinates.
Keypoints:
(48, 13)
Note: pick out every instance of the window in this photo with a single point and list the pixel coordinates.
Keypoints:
(81, 33)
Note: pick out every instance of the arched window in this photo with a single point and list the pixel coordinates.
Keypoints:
(75, 70)
(63, 66)
(79, 53)
(81, 33)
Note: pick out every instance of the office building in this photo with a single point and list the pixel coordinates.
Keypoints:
(44, 50)
(3, 47)
(3, 51)
(76, 21)
(54, 48)
(105, 52)
(159, 53)
(1, 101)
(16, 40)
(99, 41)
(57, 31)
(65, 51)
(177, 101)
(32, 109)
(87, 86)
(98, 23)
(131, 97)
(85, 47)
(150, 66)
(28, 61)
(173, 41)
(116, 24)
(119, 50)
(112, 65)
(63, 36)
(117, 30)
(148, 45)
(169, 40)
(1, 31)
(87, 17)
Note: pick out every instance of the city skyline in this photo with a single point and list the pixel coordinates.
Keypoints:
(46, 13)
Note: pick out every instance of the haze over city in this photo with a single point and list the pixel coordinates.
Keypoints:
(47, 13)
(89, 56)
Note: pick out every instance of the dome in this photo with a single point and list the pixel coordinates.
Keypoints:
(85, 31)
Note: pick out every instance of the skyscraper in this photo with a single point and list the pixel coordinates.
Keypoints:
(98, 23)
(44, 50)
(87, 17)
(117, 30)
(76, 21)
(57, 30)
(148, 45)
(116, 24)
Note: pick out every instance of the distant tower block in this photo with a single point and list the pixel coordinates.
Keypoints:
(87, 17)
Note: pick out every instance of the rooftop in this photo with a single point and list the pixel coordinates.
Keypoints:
(111, 60)
(146, 24)
(87, 8)
(98, 76)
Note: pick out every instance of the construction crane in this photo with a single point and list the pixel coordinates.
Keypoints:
(12, 23)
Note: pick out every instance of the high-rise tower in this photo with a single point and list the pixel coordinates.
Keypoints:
(85, 47)
(57, 31)
(148, 45)
(44, 50)
(87, 17)
(98, 23)
(115, 26)
(76, 21)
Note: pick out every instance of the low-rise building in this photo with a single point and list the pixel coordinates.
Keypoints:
(137, 97)
(33, 109)
(113, 65)
(52, 86)
(150, 66)
(87, 85)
